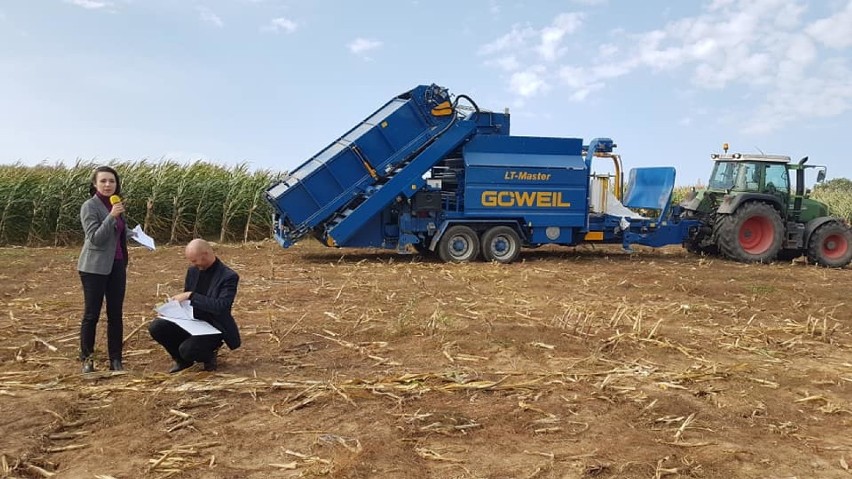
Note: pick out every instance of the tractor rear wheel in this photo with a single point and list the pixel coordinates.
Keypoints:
(752, 234)
(831, 245)
(459, 244)
(501, 244)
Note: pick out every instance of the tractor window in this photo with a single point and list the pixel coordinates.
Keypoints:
(747, 177)
(723, 175)
(776, 178)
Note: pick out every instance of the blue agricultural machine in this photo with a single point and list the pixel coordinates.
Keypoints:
(425, 173)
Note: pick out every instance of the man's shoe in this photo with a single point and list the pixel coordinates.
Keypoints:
(115, 365)
(179, 366)
(211, 364)
(88, 365)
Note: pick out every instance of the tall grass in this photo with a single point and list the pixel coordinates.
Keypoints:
(837, 194)
(174, 202)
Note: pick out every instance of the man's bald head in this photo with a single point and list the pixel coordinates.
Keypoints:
(200, 254)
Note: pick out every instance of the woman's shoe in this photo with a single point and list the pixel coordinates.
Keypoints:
(115, 365)
(88, 365)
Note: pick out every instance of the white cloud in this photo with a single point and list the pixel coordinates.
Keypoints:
(514, 40)
(523, 41)
(580, 81)
(508, 63)
(360, 46)
(281, 24)
(834, 31)
(530, 82)
(90, 4)
(607, 50)
(552, 35)
(763, 46)
(207, 16)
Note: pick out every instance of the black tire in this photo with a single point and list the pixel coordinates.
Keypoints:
(459, 244)
(831, 245)
(752, 234)
(501, 244)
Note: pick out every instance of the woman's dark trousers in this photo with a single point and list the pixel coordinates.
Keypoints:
(96, 287)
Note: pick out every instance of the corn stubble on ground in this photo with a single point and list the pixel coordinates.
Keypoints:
(572, 363)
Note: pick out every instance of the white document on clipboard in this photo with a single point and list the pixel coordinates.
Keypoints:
(181, 313)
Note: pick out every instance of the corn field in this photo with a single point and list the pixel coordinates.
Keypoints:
(174, 202)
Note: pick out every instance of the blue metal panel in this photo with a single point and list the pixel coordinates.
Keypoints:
(538, 205)
(525, 176)
(553, 235)
(406, 182)
(650, 188)
(525, 151)
(372, 234)
(327, 182)
(544, 181)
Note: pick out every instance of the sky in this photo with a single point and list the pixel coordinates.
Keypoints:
(270, 83)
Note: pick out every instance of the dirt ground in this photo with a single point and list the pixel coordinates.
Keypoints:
(572, 363)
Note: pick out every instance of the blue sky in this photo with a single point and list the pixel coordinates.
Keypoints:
(271, 82)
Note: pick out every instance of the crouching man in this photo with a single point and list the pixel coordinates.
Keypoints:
(210, 286)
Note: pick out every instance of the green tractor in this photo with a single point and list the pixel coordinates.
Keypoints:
(750, 213)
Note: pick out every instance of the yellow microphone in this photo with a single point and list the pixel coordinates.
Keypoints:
(114, 199)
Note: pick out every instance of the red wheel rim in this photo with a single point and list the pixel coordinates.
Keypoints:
(834, 246)
(756, 235)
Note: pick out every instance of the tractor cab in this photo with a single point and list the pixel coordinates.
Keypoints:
(741, 174)
(751, 173)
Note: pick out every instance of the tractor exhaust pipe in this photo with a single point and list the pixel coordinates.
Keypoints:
(800, 188)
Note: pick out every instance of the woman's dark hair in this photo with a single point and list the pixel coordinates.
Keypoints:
(104, 169)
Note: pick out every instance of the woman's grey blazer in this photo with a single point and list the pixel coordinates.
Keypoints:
(98, 252)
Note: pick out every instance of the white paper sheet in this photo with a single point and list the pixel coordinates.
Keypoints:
(182, 315)
(195, 327)
(173, 309)
(142, 238)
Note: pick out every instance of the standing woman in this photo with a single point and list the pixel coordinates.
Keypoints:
(103, 265)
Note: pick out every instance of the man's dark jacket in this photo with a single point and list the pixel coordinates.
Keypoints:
(218, 300)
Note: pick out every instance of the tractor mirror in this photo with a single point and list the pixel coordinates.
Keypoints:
(820, 176)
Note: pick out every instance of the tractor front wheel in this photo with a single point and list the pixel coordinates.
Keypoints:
(831, 245)
(752, 234)
(459, 244)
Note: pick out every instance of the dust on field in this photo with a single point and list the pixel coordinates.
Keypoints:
(572, 363)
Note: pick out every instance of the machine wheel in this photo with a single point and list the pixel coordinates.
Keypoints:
(459, 244)
(831, 245)
(751, 234)
(501, 244)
